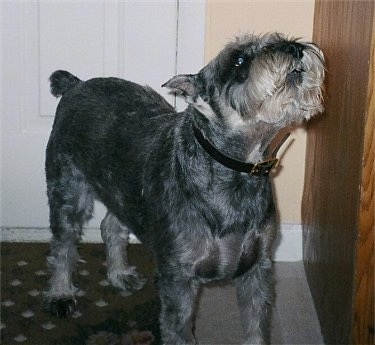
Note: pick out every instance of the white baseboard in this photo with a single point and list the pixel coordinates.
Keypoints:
(289, 247)
(90, 235)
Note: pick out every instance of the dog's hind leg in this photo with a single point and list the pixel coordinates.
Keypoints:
(71, 205)
(120, 273)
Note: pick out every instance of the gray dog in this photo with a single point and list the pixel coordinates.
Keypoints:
(194, 186)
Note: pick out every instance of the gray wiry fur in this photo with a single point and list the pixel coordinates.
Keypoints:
(123, 144)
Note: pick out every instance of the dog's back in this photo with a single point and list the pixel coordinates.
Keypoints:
(114, 96)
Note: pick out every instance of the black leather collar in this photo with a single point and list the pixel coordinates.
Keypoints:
(259, 169)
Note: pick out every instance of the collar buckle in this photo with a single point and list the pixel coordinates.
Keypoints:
(264, 167)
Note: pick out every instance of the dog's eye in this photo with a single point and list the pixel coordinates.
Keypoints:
(239, 61)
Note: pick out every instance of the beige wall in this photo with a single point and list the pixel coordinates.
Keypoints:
(225, 19)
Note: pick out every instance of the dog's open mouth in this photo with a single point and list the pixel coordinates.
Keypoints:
(297, 70)
(295, 76)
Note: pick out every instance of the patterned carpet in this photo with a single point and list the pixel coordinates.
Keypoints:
(104, 315)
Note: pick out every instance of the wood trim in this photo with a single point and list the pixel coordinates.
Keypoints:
(332, 203)
(363, 327)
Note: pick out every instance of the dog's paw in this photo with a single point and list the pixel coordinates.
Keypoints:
(135, 281)
(129, 280)
(62, 307)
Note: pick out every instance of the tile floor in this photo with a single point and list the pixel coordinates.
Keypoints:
(294, 317)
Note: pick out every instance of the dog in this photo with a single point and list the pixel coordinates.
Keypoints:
(194, 186)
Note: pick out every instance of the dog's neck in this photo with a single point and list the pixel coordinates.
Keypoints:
(248, 143)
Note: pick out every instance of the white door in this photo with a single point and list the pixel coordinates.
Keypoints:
(147, 42)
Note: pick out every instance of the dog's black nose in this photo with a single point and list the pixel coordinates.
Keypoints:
(295, 49)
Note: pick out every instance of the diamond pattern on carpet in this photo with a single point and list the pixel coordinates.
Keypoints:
(104, 314)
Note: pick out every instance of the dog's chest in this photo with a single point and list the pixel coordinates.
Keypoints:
(227, 257)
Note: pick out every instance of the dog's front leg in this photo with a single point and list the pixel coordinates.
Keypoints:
(177, 302)
(255, 296)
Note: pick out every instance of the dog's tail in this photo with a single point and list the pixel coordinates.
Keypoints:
(62, 81)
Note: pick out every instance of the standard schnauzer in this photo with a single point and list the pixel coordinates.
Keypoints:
(194, 186)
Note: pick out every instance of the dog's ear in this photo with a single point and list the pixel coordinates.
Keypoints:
(184, 85)
(191, 87)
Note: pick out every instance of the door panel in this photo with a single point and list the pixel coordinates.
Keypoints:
(133, 40)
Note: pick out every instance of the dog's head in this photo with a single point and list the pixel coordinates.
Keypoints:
(265, 78)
